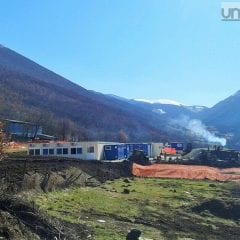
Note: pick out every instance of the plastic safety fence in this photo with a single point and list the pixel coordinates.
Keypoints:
(185, 172)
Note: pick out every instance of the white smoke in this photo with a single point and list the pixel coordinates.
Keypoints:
(197, 128)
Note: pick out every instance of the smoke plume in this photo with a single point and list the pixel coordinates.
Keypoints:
(197, 128)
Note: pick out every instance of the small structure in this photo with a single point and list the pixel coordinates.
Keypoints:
(169, 151)
(178, 146)
(20, 130)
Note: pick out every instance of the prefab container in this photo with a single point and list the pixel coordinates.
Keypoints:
(79, 150)
(115, 152)
(178, 146)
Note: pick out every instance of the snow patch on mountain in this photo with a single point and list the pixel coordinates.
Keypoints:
(196, 109)
(160, 101)
(159, 111)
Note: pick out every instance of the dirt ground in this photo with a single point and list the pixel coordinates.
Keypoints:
(47, 174)
(19, 220)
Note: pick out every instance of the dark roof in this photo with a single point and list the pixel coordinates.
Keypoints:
(17, 121)
(45, 137)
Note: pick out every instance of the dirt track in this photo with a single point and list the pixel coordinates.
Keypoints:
(186, 172)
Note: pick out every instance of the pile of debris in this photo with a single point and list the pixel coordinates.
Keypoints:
(139, 157)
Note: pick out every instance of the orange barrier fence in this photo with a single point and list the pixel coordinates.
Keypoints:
(185, 172)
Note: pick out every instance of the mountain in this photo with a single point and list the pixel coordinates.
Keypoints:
(224, 117)
(17, 63)
(31, 92)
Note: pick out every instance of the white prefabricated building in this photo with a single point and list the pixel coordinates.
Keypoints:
(80, 150)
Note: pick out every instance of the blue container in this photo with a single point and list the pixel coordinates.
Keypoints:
(115, 152)
(145, 147)
(178, 146)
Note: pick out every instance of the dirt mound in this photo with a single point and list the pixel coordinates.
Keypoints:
(185, 172)
(52, 180)
(11, 228)
(139, 157)
(20, 221)
(48, 174)
(219, 208)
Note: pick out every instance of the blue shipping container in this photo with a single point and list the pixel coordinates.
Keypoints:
(145, 147)
(177, 146)
(115, 152)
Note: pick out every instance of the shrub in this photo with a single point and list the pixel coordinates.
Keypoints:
(126, 191)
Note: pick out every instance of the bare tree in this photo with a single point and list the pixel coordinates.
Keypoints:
(122, 137)
(39, 120)
(2, 140)
(66, 128)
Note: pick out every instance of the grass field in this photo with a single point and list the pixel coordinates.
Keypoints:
(161, 209)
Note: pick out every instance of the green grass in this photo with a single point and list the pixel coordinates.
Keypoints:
(148, 201)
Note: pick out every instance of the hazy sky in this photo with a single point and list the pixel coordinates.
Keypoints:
(178, 49)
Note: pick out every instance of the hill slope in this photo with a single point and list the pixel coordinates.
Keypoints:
(31, 92)
(13, 61)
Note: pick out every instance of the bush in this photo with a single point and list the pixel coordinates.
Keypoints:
(126, 191)
(126, 180)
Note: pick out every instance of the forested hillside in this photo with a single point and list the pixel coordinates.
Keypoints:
(33, 93)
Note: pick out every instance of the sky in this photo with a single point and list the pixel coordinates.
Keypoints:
(148, 49)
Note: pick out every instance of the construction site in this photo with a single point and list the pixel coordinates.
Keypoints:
(157, 160)
(107, 200)
(115, 191)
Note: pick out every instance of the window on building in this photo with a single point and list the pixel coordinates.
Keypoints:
(79, 150)
(51, 151)
(65, 151)
(59, 151)
(45, 151)
(37, 152)
(73, 151)
(90, 149)
(108, 148)
(31, 152)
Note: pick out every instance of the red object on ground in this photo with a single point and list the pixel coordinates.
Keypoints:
(186, 172)
(169, 151)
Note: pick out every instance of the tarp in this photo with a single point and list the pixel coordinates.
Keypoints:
(185, 172)
(169, 151)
